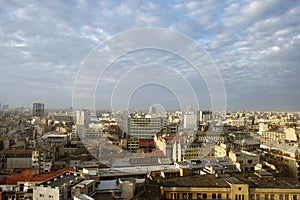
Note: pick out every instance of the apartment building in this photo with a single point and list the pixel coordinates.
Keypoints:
(259, 186)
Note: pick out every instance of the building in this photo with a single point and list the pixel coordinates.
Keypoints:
(82, 118)
(190, 121)
(285, 156)
(38, 110)
(144, 127)
(214, 166)
(59, 187)
(86, 187)
(204, 187)
(245, 161)
(21, 185)
(260, 186)
(205, 116)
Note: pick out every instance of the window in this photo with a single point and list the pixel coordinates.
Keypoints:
(213, 196)
(204, 196)
(219, 196)
(184, 195)
(286, 197)
(252, 197)
(199, 196)
(266, 197)
(174, 195)
(281, 197)
(295, 197)
(227, 196)
(272, 196)
(257, 196)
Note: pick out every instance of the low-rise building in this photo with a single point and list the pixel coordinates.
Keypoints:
(254, 187)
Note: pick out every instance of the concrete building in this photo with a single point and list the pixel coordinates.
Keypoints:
(38, 110)
(205, 116)
(272, 136)
(244, 160)
(215, 166)
(21, 185)
(59, 187)
(285, 156)
(190, 121)
(204, 187)
(82, 117)
(17, 159)
(86, 187)
(260, 186)
(144, 127)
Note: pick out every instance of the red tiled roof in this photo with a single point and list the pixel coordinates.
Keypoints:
(25, 176)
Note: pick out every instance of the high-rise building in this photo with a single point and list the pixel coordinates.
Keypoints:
(205, 116)
(144, 127)
(82, 118)
(38, 109)
(190, 121)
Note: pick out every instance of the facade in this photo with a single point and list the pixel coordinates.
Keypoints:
(144, 127)
(255, 187)
(244, 160)
(82, 118)
(18, 159)
(21, 186)
(59, 187)
(286, 157)
(38, 110)
(272, 136)
(190, 121)
(205, 116)
(204, 187)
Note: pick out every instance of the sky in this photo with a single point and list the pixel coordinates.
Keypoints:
(254, 46)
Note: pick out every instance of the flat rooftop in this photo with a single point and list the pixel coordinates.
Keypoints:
(136, 170)
(255, 181)
(61, 179)
(195, 181)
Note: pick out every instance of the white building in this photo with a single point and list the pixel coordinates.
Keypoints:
(144, 128)
(190, 121)
(82, 117)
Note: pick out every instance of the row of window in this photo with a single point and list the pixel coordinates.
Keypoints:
(272, 197)
(203, 196)
(50, 196)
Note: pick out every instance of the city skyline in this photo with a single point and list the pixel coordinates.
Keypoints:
(254, 44)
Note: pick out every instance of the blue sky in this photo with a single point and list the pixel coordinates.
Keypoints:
(254, 44)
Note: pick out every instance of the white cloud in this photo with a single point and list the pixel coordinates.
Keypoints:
(252, 42)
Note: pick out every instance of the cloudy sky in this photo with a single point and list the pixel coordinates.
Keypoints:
(254, 44)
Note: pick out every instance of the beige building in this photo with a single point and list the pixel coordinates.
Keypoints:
(285, 156)
(255, 187)
(274, 136)
(245, 161)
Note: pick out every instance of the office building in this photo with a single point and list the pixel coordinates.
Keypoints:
(190, 121)
(38, 110)
(205, 116)
(144, 127)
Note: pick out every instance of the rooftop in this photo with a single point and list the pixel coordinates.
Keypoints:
(195, 181)
(26, 176)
